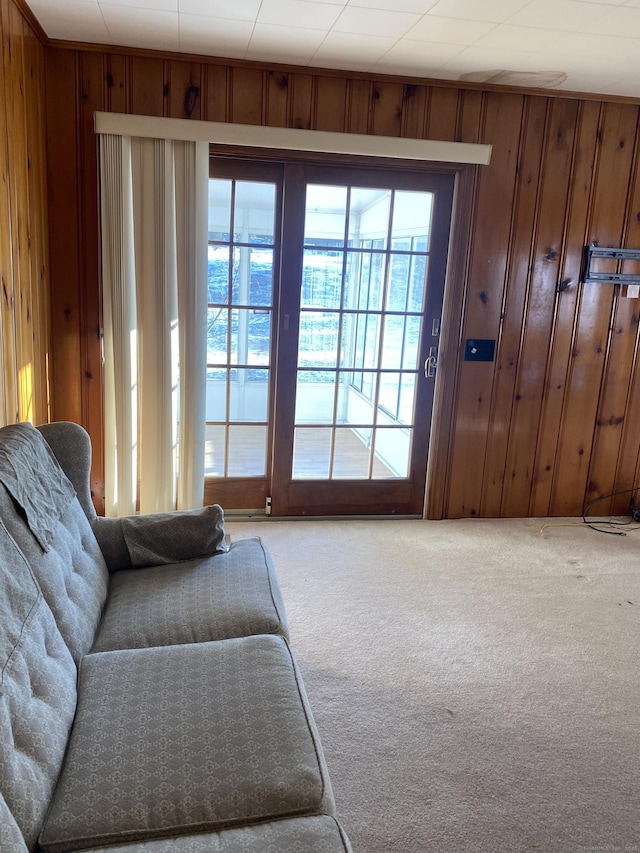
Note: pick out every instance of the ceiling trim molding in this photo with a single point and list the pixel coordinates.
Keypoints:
(293, 139)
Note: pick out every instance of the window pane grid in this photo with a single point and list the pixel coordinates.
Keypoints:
(240, 308)
(359, 351)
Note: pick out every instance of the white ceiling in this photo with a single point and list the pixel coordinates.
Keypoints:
(595, 43)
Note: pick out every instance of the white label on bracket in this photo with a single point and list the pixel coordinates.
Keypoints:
(633, 291)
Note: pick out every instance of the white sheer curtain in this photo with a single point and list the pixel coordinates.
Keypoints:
(154, 260)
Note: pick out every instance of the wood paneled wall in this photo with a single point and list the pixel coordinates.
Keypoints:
(554, 421)
(24, 261)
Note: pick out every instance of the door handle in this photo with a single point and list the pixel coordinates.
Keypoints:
(431, 363)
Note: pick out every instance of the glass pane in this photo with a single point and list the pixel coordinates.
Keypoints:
(353, 406)
(219, 210)
(250, 336)
(351, 454)
(252, 276)
(407, 398)
(390, 393)
(412, 215)
(318, 345)
(325, 215)
(411, 349)
(311, 453)
(216, 398)
(214, 445)
(249, 395)
(315, 391)
(247, 451)
(393, 341)
(392, 452)
(417, 283)
(368, 215)
(321, 279)
(261, 277)
(218, 274)
(398, 292)
(363, 281)
(254, 212)
(217, 335)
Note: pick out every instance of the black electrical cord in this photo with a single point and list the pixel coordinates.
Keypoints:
(611, 522)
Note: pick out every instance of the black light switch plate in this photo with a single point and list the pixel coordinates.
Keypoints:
(479, 350)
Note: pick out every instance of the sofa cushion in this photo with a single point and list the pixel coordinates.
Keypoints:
(72, 574)
(232, 594)
(37, 696)
(190, 738)
(11, 839)
(299, 835)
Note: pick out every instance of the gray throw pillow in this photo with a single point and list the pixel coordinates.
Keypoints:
(168, 537)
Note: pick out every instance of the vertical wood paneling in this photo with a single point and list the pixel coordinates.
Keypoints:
(515, 304)
(442, 120)
(218, 102)
(575, 231)
(485, 296)
(65, 197)
(414, 110)
(359, 100)
(331, 104)
(591, 345)
(277, 98)
(9, 412)
(537, 322)
(302, 101)
(147, 85)
(92, 83)
(184, 93)
(247, 96)
(627, 474)
(38, 224)
(387, 101)
(547, 424)
(23, 223)
(19, 200)
(115, 81)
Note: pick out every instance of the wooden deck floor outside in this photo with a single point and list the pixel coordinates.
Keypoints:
(247, 454)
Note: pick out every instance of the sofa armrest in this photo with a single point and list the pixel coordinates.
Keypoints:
(156, 539)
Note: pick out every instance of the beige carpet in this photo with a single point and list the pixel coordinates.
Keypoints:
(475, 683)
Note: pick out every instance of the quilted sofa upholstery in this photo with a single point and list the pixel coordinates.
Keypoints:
(144, 707)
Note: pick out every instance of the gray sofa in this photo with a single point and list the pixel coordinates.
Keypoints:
(149, 700)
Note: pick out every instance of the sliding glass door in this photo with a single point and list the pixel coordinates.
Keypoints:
(325, 295)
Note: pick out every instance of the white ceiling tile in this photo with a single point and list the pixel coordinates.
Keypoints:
(298, 13)
(140, 28)
(494, 11)
(526, 39)
(375, 22)
(155, 5)
(340, 50)
(624, 21)
(416, 58)
(419, 7)
(77, 20)
(483, 59)
(449, 30)
(208, 36)
(295, 45)
(569, 15)
(590, 48)
(244, 11)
